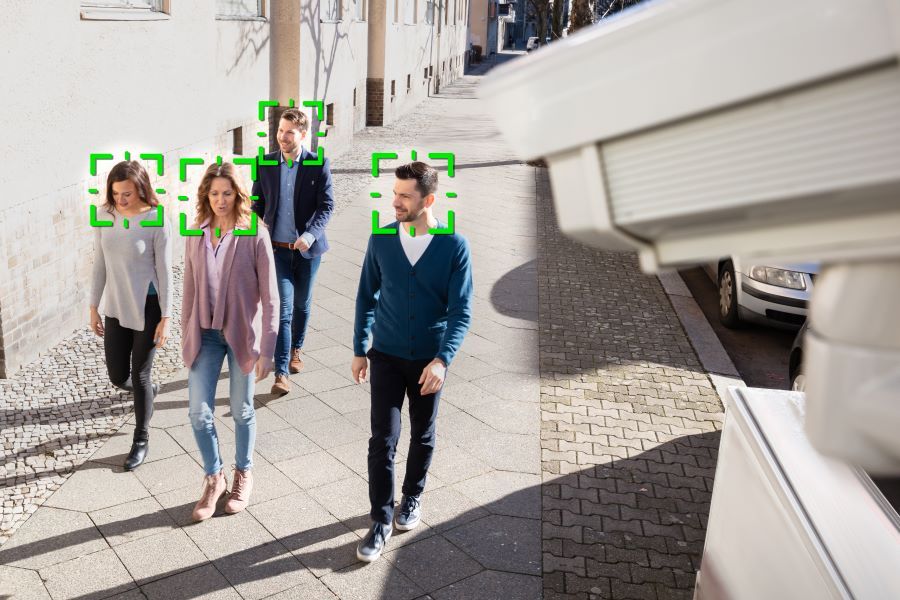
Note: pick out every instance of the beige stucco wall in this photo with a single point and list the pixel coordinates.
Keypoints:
(478, 24)
(72, 87)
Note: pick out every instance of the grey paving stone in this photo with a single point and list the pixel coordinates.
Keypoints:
(347, 399)
(451, 463)
(260, 571)
(227, 534)
(277, 446)
(268, 483)
(335, 357)
(469, 367)
(179, 503)
(345, 499)
(509, 416)
(465, 395)
(169, 474)
(433, 563)
(508, 451)
(511, 386)
(184, 435)
(309, 531)
(310, 588)
(323, 380)
(505, 493)
(355, 456)
(160, 556)
(203, 583)
(299, 411)
(313, 470)
(97, 486)
(52, 536)
(116, 449)
(132, 521)
(358, 582)
(332, 431)
(492, 584)
(97, 575)
(21, 584)
(502, 543)
(446, 508)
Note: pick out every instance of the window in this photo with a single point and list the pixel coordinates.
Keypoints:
(354, 96)
(393, 88)
(409, 11)
(124, 10)
(492, 10)
(429, 12)
(329, 115)
(359, 10)
(237, 140)
(446, 9)
(331, 10)
(425, 74)
(239, 9)
(408, 83)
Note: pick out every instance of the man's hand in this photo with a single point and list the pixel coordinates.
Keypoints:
(162, 332)
(433, 377)
(263, 368)
(96, 322)
(301, 245)
(359, 368)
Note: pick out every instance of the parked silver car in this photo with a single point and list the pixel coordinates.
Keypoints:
(773, 294)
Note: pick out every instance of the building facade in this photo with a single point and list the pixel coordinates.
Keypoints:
(183, 80)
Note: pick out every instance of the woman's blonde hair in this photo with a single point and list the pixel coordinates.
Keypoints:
(242, 198)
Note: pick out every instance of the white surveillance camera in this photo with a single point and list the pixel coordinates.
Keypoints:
(690, 130)
(695, 129)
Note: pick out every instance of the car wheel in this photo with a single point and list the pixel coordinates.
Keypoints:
(728, 309)
(798, 384)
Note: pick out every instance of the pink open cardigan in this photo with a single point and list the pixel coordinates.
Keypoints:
(248, 299)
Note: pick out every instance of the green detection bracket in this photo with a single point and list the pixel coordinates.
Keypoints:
(377, 229)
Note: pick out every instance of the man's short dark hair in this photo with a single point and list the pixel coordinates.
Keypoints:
(425, 175)
(296, 117)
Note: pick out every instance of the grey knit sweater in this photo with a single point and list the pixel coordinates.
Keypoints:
(126, 262)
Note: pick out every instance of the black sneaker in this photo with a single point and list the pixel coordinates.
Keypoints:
(409, 514)
(371, 546)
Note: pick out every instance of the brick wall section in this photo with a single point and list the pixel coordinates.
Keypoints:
(630, 427)
(375, 102)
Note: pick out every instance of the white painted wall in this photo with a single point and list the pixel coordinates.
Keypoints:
(72, 87)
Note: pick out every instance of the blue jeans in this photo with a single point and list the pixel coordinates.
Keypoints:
(295, 284)
(202, 379)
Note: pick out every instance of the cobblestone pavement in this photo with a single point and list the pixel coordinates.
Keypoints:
(630, 427)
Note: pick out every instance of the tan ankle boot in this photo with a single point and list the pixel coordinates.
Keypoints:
(241, 486)
(213, 488)
(296, 363)
(281, 386)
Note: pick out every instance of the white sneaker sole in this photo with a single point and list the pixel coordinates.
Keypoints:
(408, 526)
(372, 557)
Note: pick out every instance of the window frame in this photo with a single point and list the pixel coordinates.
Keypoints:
(125, 10)
(261, 16)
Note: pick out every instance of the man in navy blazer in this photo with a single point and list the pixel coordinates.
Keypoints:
(295, 201)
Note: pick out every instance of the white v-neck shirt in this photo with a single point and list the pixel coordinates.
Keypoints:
(414, 247)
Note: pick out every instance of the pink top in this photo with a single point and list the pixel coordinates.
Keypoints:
(215, 258)
(247, 294)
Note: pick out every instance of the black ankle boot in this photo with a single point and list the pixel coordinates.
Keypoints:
(137, 455)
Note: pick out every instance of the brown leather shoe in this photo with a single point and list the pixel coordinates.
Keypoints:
(281, 386)
(241, 486)
(296, 362)
(213, 488)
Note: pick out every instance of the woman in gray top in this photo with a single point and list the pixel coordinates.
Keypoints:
(133, 273)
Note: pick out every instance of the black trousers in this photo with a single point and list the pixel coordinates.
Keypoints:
(129, 361)
(391, 378)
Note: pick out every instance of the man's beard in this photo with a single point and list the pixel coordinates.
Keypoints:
(411, 216)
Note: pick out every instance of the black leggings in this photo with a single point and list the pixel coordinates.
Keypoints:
(131, 352)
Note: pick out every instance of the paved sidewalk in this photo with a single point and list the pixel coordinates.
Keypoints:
(630, 427)
(108, 533)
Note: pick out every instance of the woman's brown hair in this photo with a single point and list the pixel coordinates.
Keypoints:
(241, 200)
(133, 171)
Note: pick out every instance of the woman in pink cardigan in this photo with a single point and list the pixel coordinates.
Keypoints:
(230, 308)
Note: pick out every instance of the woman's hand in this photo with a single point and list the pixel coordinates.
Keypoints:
(96, 322)
(162, 332)
(263, 368)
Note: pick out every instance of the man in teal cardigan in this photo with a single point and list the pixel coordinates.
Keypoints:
(415, 298)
